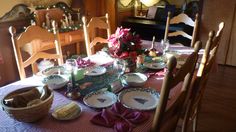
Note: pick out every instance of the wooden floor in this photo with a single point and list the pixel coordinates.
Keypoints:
(218, 112)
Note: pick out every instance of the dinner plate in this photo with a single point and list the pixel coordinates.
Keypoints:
(70, 116)
(95, 71)
(155, 65)
(139, 98)
(54, 70)
(100, 99)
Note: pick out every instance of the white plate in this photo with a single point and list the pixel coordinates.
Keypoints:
(100, 99)
(55, 81)
(54, 70)
(71, 116)
(95, 71)
(139, 98)
(134, 79)
(155, 65)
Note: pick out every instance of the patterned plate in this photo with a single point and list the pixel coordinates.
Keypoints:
(139, 98)
(155, 65)
(100, 99)
(54, 70)
(55, 81)
(96, 71)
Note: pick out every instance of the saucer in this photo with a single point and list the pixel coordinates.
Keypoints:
(69, 116)
(95, 71)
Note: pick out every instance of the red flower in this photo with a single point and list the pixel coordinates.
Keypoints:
(124, 55)
(133, 55)
(124, 42)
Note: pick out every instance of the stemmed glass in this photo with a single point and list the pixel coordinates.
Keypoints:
(71, 67)
(165, 45)
(119, 67)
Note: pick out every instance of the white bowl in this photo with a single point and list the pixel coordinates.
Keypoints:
(55, 81)
(134, 79)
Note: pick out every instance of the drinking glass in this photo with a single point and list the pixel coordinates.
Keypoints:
(119, 66)
(165, 45)
(71, 65)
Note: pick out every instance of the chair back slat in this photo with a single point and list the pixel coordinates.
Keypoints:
(162, 114)
(182, 18)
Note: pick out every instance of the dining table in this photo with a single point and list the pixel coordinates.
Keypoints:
(83, 122)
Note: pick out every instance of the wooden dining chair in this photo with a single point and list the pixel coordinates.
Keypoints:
(201, 79)
(185, 19)
(32, 41)
(91, 31)
(166, 118)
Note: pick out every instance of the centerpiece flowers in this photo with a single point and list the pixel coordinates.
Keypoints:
(124, 44)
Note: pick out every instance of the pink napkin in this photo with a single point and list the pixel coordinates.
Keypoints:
(120, 118)
(82, 63)
(150, 73)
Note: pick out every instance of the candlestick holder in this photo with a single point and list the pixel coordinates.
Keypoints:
(72, 89)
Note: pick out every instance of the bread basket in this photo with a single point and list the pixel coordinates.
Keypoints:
(29, 113)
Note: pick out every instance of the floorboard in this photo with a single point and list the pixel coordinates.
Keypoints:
(218, 112)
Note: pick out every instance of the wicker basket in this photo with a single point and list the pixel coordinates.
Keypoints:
(29, 113)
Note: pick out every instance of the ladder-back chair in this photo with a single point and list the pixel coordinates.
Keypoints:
(185, 19)
(90, 32)
(31, 41)
(199, 83)
(165, 119)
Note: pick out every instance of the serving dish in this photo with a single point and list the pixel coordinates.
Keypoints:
(134, 79)
(54, 70)
(155, 65)
(55, 81)
(95, 71)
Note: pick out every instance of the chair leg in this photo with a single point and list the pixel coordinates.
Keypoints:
(186, 116)
(78, 48)
(195, 120)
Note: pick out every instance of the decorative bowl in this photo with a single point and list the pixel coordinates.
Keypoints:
(54, 70)
(33, 112)
(55, 81)
(134, 79)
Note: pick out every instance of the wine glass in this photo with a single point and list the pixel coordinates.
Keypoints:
(165, 45)
(119, 66)
(71, 65)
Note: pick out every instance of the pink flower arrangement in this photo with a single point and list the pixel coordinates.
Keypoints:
(124, 44)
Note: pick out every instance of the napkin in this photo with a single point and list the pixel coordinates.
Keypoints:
(120, 118)
(21, 99)
(150, 73)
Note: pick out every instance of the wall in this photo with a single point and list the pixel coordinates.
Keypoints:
(214, 12)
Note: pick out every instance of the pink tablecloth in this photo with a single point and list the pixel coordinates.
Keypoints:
(81, 124)
(1, 58)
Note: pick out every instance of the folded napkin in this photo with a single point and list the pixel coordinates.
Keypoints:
(120, 118)
(82, 63)
(21, 99)
(150, 73)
